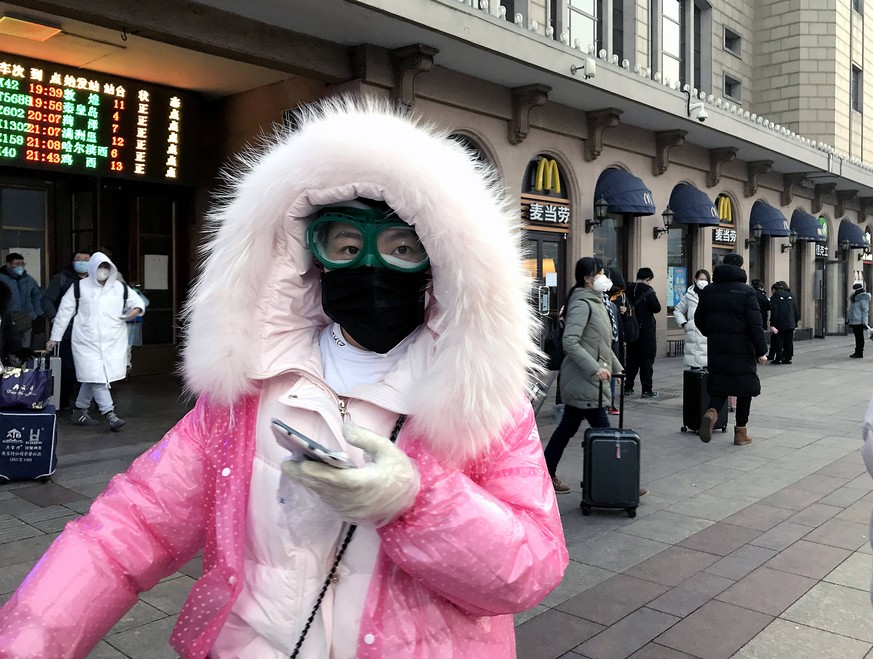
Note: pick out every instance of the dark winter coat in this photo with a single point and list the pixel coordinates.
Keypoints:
(10, 337)
(647, 306)
(729, 316)
(58, 287)
(784, 314)
(763, 305)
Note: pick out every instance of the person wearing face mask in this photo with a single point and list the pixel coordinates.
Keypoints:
(589, 361)
(683, 314)
(378, 306)
(27, 302)
(101, 307)
(642, 352)
(76, 270)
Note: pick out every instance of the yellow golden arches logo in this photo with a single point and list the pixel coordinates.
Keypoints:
(548, 170)
(725, 209)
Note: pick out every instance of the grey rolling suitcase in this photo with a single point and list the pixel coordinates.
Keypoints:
(611, 466)
(53, 363)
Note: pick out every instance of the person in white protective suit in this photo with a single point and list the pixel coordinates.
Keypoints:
(100, 336)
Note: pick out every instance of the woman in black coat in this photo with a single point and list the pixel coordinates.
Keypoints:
(728, 315)
(641, 353)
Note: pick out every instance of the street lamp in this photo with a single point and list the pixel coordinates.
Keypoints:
(601, 208)
(845, 246)
(792, 240)
(757, 232)
(667, 217)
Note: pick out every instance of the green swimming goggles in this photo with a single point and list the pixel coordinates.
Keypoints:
(343, 237)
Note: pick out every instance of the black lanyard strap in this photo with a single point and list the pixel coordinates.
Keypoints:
(336, 561)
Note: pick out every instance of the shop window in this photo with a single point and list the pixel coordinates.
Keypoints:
(610, 244)
(733, 43)
(733, 88)
(857, 89)
(679, 239)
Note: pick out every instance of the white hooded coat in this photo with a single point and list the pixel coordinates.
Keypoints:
(100, 334)
(695, 342)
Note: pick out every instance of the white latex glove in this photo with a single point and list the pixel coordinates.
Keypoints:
(376, 493)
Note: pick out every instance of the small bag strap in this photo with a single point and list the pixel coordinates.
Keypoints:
(336, 561)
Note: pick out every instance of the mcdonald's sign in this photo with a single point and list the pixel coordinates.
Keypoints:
(725, 209)
(548, 176)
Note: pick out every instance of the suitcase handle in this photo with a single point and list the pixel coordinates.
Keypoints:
(620, 377)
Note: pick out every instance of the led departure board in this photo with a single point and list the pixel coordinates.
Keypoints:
(64, 119)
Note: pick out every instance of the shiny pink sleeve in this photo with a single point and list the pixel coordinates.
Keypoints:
(146, 524)
(491, 543)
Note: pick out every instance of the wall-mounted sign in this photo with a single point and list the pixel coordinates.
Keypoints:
(724, 237)
(71, 120)
(821, 251)
(549, 213)
(867, 255)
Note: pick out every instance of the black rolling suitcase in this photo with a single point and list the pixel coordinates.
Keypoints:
(611, 466)
(695, 401)
(28, 444)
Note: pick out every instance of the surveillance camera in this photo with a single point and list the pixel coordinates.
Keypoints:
(702, 115)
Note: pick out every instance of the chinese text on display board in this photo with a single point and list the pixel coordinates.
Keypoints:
(64, 119)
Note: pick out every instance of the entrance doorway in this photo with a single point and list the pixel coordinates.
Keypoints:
(545, 259)
(833, 297)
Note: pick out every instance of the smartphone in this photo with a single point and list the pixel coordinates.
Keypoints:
(302, 446)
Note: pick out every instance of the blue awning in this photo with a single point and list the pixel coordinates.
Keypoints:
(773, 223)
(807, 227)
(692, 206)
(853, 233)
(625, 193)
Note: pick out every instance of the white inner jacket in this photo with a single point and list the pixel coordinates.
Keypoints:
(291, 535)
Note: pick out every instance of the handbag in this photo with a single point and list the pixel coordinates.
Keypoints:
(25, 388)
(554, 347)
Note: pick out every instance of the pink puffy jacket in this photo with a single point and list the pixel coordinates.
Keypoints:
(484, 537)
(487, 522)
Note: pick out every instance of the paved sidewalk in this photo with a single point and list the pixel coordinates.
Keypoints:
(758, 551)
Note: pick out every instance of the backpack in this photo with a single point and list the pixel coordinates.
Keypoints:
(553, 346)
(630, 326)
(77, 292)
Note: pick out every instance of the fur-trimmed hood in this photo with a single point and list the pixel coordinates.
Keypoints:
(256, 309)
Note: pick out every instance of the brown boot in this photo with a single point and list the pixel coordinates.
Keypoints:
(741, 437)
(707, 423)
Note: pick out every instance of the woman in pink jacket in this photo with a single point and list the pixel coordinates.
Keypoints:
(363, 272)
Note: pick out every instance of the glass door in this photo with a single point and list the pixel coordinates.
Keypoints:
(545, 262)
(820, 287)
(836, 297)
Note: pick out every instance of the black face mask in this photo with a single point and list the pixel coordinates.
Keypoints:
(378, 308)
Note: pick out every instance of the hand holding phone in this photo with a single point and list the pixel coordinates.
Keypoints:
(304, 448)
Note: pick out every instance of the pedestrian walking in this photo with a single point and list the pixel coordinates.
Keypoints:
(858, 317)
(784, 316)
(641, 352)
(76, 270)
(763, 302)
(589, 361)
(364, 288)
(101, 307)
(618, 310)
(729, 317)
(683, 314)
(27, 297)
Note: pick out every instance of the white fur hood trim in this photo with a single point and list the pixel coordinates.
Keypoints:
(255, 309)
